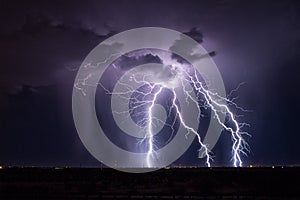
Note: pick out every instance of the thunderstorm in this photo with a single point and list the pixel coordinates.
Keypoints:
(178, 74)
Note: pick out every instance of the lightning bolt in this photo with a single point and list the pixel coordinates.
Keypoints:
(155, 90)
(189, 129)
(150, 134)
(211, 100)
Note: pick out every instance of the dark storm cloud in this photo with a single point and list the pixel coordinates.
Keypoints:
(60, 34)
(41, 49)
(196, 34)
(181, 46)
(127, 62)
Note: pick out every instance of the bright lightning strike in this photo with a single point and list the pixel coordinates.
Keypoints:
(239, 144)
(148, 121)
(150, 134)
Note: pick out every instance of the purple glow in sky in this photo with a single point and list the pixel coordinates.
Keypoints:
(44, 43)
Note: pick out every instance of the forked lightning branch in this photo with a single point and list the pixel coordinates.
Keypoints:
(148, 85)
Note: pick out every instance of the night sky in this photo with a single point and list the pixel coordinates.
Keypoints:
(43, 43)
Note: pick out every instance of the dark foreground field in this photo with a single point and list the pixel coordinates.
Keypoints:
(198, 183)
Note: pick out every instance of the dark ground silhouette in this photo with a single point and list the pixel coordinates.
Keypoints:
(187, 183)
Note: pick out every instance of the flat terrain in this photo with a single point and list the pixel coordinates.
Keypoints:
(196, 183)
